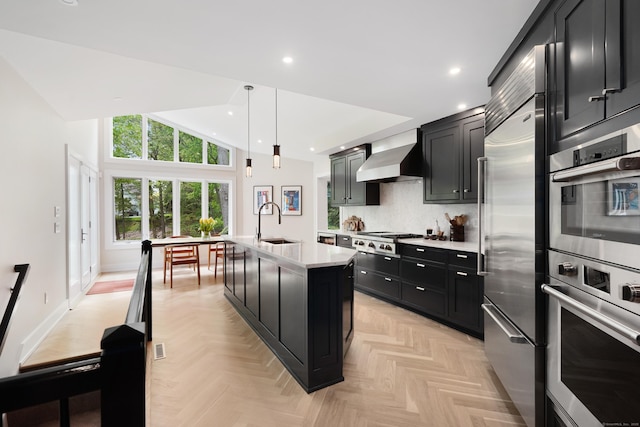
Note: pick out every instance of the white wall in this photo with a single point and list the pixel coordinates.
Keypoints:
(32, 167)
(292, 172)
(401, 209)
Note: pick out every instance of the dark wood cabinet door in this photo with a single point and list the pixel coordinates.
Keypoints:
(623, 55)
(293, 312)
(251, 290)
(580, 65)
(472, 148)
(338, 181)
(269, 295)
(465, 298)
(239, 273)
(356, 191)
(442, 165)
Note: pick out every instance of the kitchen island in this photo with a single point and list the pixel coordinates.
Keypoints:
(298, 297)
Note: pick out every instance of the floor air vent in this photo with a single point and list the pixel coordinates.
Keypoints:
(158, 351)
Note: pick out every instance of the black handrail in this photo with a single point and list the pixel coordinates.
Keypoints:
(140, 304)
(22, 270)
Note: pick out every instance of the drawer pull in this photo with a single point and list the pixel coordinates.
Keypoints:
(387, 279)
(420, 265)
(420, 288)
(387, 258)
(462, 256)
(419, 249)
(345, 238)
(461, 273)
(363, 272)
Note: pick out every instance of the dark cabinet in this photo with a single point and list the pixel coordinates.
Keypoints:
(345, 189)
(343, 240)
(465, 291)
(424, 284)
(378, 275)
(597, 68)
(451, 147)
(269, 295)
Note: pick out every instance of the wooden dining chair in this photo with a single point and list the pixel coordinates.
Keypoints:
(218, 250)
(181, 254)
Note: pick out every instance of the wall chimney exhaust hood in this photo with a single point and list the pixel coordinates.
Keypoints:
(391, 161)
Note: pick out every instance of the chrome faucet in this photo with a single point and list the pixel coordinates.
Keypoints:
(259, 235)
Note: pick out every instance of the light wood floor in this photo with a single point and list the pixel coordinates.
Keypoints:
(401, 370)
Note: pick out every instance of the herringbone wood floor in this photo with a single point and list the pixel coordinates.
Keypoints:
(401, 370)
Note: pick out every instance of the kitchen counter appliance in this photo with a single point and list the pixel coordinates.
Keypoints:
(594, 281)
(379, 242)
(511, 212)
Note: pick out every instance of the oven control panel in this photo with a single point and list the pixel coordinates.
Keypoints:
(606, 149)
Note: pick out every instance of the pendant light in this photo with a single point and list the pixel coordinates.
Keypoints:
(248, 88)
(276, 147)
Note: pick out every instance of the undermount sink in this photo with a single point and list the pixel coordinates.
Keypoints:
(277, 241)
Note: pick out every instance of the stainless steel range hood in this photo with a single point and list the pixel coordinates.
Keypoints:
(401, 163)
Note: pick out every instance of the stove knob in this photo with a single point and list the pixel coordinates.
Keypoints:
(388, 247)
(631, 293)
(382, 246)
(361, 243)
(371, 245)
(567, 269)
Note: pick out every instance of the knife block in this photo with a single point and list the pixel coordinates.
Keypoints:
(456, 233)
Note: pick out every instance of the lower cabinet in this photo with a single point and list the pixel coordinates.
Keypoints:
(438, 283)
(305, 316)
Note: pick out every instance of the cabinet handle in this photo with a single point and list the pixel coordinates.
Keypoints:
(420, 265)
(596, 98)
(419, 249)
(420, 288)
(345, 238)
(387, 279)
(387, 258)
(456, 191)
(462, 256)
(363, 272)
(461, 273)
(610, 90)
(466, 190)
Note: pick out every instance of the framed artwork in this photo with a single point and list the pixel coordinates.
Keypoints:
(291, 199)
(261, 195)
(622, 197)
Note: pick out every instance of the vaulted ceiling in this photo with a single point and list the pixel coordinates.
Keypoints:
(360, 70)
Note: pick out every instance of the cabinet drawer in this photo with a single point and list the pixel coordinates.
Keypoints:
(424, 274)
(387, 286)
(421, 252)
(462, 259)
(379, 263)
(343, 240)
(431, 301)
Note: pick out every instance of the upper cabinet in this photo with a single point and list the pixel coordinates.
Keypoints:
(345, 189)
(451, 147)
(597, 68)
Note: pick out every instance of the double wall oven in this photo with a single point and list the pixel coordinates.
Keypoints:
(593, 347)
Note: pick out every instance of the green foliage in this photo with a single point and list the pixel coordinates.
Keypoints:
(128, 200)
(127, 137)
(189, 148)
(160, 140)
(217, 155)
(190, 208)
(333, 212)
(160, 209)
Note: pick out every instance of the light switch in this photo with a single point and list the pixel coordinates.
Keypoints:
(56, 211)
(56, 227)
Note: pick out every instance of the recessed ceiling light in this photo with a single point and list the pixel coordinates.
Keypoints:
(342, 147)
(287, 60)
(454, 71)
(462, 106)
(69, 2)
(214, 134)
(312, 149)
(230, 113)
(117, 98)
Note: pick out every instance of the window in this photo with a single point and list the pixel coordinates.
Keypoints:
(190, 208)
(219, 206)
(160, 209)
(127, 194)
(217, 155)
(160, 140)
(190, 148)
(333, 212)
(127, 137)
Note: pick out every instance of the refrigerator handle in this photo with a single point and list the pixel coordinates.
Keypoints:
(504, 324)
(480, 260)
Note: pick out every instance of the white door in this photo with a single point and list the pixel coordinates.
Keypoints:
(85, 225)
(74, 234)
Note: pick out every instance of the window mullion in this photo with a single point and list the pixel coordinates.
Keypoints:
(145, 137)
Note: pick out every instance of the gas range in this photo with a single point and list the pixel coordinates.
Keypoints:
(379, 242)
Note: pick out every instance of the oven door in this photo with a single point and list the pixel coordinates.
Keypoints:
(596, 214)
(593, 355)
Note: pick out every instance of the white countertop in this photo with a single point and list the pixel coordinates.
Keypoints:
(305, 254)
(443, 244)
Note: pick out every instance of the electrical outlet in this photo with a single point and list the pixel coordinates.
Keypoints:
(56, 211)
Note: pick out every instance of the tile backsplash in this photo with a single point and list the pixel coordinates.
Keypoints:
(401, 209)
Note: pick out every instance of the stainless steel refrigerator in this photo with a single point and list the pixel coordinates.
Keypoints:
(511, 211)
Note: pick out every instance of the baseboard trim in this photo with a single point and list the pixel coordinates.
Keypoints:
(31, 343)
